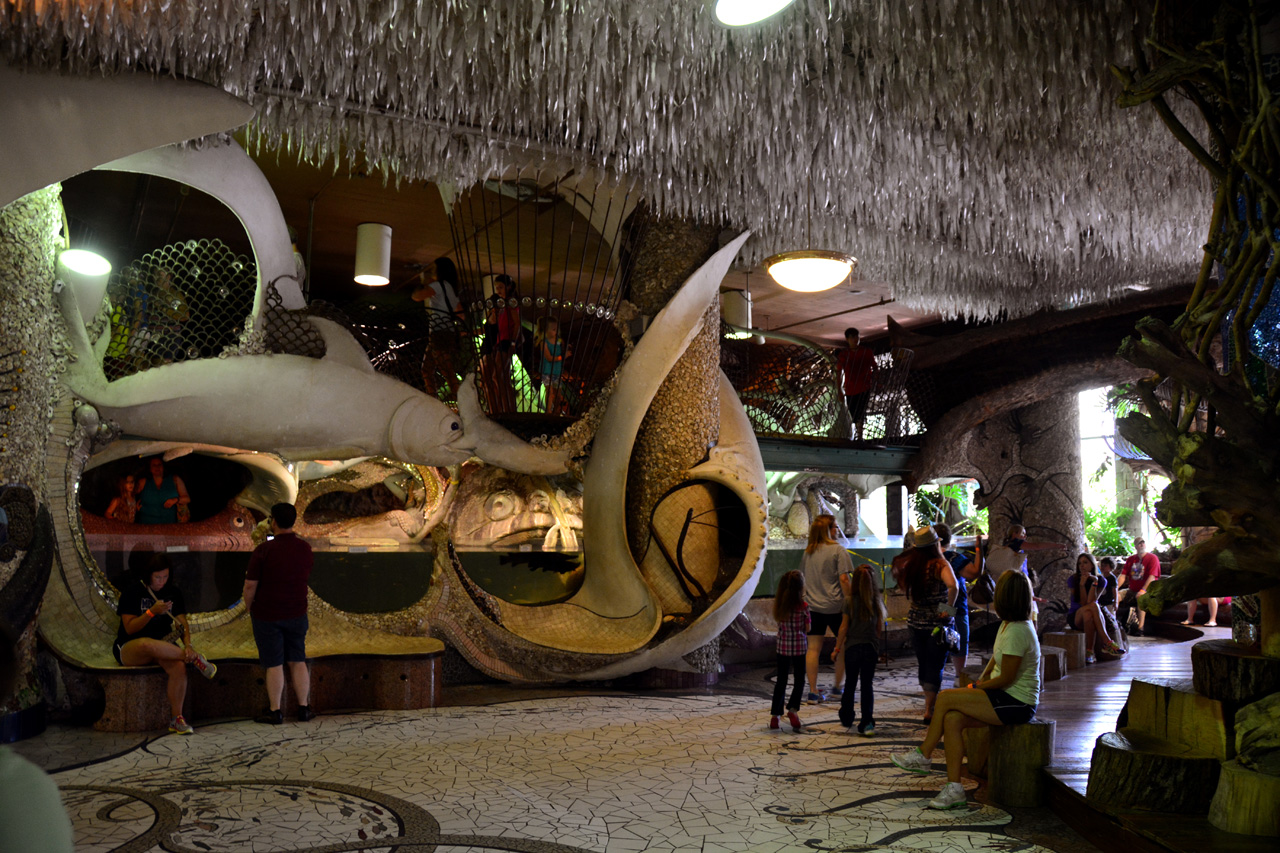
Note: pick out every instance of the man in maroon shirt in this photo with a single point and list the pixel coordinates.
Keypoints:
(275, 594)
(1138, 573)
(856, 363)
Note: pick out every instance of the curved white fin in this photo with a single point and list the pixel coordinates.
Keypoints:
(340, 345)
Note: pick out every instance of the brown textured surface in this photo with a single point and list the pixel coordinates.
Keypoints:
(29, 350)
(683, 421)
(1231, 673)
(28, 228)
(669, 251)
(1135, 770)
(136, 700)
(1028, 463)
(1014, 763)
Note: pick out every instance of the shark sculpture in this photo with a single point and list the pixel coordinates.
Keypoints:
(302, 408)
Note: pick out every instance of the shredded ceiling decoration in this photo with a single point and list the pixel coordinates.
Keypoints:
(970, 154)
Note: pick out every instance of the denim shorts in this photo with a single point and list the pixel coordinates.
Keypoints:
(282, 641)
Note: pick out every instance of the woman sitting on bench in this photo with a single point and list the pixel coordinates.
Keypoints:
(152, 617)
(1005, 695)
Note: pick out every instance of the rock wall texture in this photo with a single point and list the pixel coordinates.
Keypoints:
(683, 419)
(32, 345)
(1028, 464)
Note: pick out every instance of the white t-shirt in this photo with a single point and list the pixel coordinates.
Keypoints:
(438, 301)
(1019, 639)
(31, 810)
(1002, 558)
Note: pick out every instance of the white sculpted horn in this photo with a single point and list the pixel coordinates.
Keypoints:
(615, 612)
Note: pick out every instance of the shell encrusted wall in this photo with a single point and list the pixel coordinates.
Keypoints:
(32, 344)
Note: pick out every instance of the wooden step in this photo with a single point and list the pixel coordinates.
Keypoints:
(1053, 663)
(1234, 674)
(1170, 708)
(1071, 641)
(1246, 802)
(1132, 769)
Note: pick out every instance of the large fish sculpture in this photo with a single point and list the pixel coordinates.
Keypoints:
(334, 407)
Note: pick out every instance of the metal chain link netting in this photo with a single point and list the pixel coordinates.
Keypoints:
(791, 390)
(183, 301)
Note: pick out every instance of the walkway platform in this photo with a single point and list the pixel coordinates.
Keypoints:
(1086, 704)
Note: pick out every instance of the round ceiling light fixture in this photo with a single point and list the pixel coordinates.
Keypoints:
(741, 13)
(810, 270)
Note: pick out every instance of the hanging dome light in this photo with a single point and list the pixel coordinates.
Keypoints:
(810, 270)
(740, 13)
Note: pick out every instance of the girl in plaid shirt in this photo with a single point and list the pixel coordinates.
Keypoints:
(792, 615)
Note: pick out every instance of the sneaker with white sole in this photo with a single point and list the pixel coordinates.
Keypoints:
(204, 666)
(912, 762)
(179, 726)
(951, 796)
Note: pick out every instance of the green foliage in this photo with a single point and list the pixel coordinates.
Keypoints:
(1104, 531)
(946, 503)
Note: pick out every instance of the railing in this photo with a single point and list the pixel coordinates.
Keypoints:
(790, 388)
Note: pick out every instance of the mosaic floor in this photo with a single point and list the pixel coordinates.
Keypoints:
(578, 772)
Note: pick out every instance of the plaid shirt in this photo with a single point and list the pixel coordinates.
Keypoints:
(793, 632)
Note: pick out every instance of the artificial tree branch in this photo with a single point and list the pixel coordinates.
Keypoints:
(1160, 349)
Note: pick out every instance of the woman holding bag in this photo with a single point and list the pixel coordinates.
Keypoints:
(930, 586)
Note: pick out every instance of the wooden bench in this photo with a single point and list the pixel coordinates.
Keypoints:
(136, 699)
(351, 668)
(1011, 759)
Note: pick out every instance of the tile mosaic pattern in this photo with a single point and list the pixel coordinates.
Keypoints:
(639, 772)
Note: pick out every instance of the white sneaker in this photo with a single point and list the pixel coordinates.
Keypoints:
(912, 762)
(951, 796)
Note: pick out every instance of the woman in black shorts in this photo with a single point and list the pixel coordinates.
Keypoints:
(826, 567)
(1005, 695)
(152, 618)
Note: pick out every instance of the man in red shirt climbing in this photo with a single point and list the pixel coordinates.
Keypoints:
(856, 363)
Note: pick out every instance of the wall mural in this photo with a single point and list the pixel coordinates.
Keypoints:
(526, 559)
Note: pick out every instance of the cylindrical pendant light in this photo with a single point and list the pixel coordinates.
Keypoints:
(735, 310)
(373, 254)
(87, 274)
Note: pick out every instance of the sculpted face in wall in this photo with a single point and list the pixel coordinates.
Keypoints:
(504, 511)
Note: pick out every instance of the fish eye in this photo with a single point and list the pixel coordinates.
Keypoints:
(238, 521)
(500, 505)
(455, 426)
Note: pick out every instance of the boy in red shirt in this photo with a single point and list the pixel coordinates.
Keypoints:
(856, 363)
